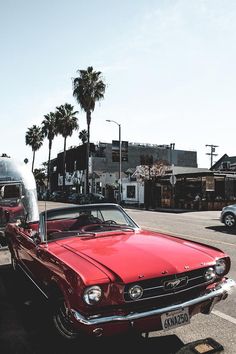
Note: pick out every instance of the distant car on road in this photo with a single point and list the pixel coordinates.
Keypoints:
(228, 215)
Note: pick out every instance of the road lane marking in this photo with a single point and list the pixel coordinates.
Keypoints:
(224, 316)
(183, 235)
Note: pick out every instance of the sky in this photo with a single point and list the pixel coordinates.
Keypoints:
(169, 67)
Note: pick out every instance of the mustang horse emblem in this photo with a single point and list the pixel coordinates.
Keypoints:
(175, 283)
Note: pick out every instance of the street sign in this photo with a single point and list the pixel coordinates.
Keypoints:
(172, 180)
(116, 151)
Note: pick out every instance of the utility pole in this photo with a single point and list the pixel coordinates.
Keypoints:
(171, 147)
(120, 158)
(212, 153)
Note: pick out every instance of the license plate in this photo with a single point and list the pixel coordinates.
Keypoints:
(175, 319)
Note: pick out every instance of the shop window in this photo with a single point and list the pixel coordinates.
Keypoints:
(130, 191)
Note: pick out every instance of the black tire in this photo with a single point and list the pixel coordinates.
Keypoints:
(62, 321)
(229, 220)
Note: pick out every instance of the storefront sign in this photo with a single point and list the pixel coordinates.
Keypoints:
(116, 151)
(210, 184)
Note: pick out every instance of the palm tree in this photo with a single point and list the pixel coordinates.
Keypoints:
(49, 131)
(34, 137)
(66, 123)
(87, 89)
(83, 136)
(39, 175)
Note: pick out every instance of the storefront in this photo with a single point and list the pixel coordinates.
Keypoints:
(197, 189)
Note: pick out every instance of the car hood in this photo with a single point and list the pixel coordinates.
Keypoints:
(144, 254)
(232, 206)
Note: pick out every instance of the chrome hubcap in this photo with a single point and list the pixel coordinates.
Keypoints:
(229, 220)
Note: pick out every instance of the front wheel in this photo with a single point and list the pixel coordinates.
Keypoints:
(62, 321)
(229, 220)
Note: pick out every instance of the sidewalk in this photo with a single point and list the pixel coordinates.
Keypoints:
(164, 210)
(5, 257)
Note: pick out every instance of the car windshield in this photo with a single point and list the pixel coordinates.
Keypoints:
(79, 220)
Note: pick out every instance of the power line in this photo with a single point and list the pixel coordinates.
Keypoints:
(212, 153)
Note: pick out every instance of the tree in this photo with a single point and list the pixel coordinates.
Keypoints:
(39, 175)
(149, 169)
(49, 131)
(34, 138)
(83, 136)
(87, 89)
(66, 123)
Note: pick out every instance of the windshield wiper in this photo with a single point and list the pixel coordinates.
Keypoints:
(94, 230)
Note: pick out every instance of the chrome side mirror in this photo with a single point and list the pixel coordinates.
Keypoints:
(36, 238)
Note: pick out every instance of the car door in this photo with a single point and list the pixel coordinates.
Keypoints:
(32, 255)
(25, 247)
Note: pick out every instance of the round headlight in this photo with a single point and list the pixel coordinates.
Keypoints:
(220, 266)
(135, 292)
(209, 274)
(92, 295)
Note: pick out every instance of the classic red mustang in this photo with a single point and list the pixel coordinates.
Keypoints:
(105, 275)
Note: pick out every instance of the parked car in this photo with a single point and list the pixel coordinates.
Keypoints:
(92, 198)
(58, 196)
(228, 215)
(74, 198)
(105, 275)
(44, 195)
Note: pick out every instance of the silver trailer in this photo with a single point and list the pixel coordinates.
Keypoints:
(18, 195)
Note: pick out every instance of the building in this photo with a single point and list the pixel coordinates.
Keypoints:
(138, 154)
(225, 163)
(190, 188)
(102, 162)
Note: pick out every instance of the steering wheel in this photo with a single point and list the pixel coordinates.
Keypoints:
(84, 220)
(91, 227)
(95, 220)
(110, 222)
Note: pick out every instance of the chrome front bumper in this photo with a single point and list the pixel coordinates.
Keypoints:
(216, 294)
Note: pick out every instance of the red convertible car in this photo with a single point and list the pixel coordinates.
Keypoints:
(104, 275)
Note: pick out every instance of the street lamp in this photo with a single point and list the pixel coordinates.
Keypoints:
(119, 125)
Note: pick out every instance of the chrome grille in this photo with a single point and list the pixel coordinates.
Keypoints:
(156, 288)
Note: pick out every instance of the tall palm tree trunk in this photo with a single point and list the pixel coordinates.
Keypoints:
(64, 165)
(33, 161)
(49, 159)
(88, 113)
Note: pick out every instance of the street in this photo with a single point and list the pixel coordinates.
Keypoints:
(25, 322)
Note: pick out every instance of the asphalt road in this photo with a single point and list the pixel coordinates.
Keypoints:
(25, 325)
